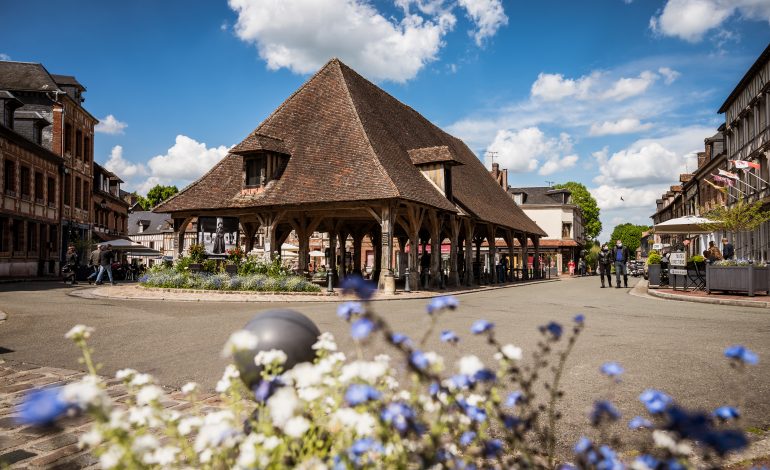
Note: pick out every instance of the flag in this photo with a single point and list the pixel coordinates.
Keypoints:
(720, 188)
(727, 174)
(722, 180)
(743, 164)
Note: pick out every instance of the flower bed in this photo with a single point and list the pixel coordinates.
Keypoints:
(168, 278)
(335, 412)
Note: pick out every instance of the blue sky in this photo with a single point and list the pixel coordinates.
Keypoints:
(616, 94)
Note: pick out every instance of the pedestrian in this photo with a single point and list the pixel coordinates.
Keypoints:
(605, 265)
(71, 266)
(707, 257)
(582, 267)
(716, 255)
(93, 263)
(728, 251)
(105, 263)
(620, 255)
(571, 266)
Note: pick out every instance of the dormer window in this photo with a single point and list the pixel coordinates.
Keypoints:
(518, 198)
(435, 164)
(264, 159)
(256, 171)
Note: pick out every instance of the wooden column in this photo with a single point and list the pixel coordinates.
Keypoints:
(523, 240)
(536, 257)
(469, 280)
(386, 281)
(412, 225)
(304, 227)
(491, 229)
(270, 222)
(332, 266)
(358, 238)
(435, 249)
(509, 242)
(454, 234)
(249, 230)
(180, 228)
(343, 234)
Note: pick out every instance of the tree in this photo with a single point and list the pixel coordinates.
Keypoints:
(739, 217)
(587, 204)
(630, 234)
(160, 193)
(142, 201)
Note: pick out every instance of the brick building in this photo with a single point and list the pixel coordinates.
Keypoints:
(110, 211)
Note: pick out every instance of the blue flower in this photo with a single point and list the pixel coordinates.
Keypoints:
(449, 336)
(609, 459)
(553, 328)
(637, 422)
(358, 286)
(473, 412)
(509, 421)
(611, 369)
(434, 388)
(265, 390)
(419, 360)
(655, 401)
(363, 446)
(399, 415)
(481, 326)
(467, 438)
(566, 466)
(360, 393)
(361, 329)
(673, 464)
(399, 339)
(42, 407)
(484, 375)
(492, 448)
(603, 409)
(579, 319)
(742, 354)
(348, 309)
(441, 303)
(583, 444)
(646, 461)
(726, 413)
(513, 398)
(461, 381)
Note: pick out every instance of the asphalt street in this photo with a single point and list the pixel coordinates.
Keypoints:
(673, 346)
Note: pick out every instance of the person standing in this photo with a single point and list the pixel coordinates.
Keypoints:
(621, 254)
(93, 263)
(728, 251)
(105, 262)
(71, 266)
(605, 265)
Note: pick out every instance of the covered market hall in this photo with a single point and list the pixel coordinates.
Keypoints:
(342, 157)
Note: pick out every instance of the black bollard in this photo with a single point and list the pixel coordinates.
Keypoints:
(407, 287)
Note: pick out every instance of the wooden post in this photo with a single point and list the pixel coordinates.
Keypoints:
(386, 281)
(358, 238)
(536, 257)
(491, 229)
(180, 229)
(333, 254)
(249, 230)
(469, 280)
(412, 225)
(524, 256)
(435, 249)
(509, 242)
(270, 222)
(343, 234)
(454, 233)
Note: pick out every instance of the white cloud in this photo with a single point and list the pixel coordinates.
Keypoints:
(184, 162)
(669, 75)
(110, 125)
(4, 56)
(608, 197)
(622, 126)
(692, 19)
(628, 87)
(524, 150)
(554, 87)
(595, 86)
(301, 35)
(488, 15)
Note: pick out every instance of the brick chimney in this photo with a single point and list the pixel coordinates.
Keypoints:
(500, 176)
(703, 157)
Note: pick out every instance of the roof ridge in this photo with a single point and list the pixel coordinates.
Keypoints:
(361, 125)
(194, 183)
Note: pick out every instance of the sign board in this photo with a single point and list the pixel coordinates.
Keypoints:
(657, 246)
(678, 272)
(677, 259)
(218, 234)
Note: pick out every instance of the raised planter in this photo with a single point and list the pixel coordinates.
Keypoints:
(195, 267)
(231, 269)
(747, 279)
(653, 275)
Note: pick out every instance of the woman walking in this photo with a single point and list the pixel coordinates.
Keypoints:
(605, 261)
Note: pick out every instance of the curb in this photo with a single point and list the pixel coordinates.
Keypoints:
(702, 300)
(228, 296)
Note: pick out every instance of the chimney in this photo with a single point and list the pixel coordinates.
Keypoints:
(505, 179)
(500, 176)
(702, 158)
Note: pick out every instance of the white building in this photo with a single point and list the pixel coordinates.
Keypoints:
(155, 231)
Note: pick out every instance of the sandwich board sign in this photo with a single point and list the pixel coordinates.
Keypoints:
(677, 259)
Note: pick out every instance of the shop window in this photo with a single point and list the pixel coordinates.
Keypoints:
(4, 235)
(566, 230)
(17, 235)
(31, 237)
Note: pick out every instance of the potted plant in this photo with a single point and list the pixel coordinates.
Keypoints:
(234, 259)
(197, 254)
(653, 269)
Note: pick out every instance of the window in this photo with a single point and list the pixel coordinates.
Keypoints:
(39, 187)
(87, 149)
(17, 235)
(53, 236)
(4, 234)
(31, 237)
(68, 189)
(256, 172)
(566, 230)
(26, 191)
(518, 198)
(67, 138)
(10, 177)
(51, 191)
(85, 195)
(78, 194)
(78, 144)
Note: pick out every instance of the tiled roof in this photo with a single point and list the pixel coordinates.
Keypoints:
(25, 76)
(541, 194)
(256, 141)
(437, 154)
(67, 80)
(155, 223)
(349, 141)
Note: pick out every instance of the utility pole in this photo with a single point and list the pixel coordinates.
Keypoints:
(491, 155)
(550, 183)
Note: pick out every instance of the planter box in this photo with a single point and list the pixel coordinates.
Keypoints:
(653, 275)
(195, 267)
(231, 269)
(747, 279)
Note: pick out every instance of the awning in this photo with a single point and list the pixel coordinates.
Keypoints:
(131, 248)
(687, 225)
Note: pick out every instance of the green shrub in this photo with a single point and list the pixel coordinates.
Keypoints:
(653, 258)
(183, 264)
(197, 253)
(697, 259)
(209, 266)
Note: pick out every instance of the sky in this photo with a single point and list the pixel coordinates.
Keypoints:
(615, 94)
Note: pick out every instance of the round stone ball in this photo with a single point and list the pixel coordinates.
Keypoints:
(282, 329)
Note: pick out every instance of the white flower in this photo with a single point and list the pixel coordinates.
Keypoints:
(510, 352)
(86, 393)
(189, 388)
(219, 430)
(90, 439)
(282, 405)
(224, 384)
(241, 340)
(125, 374)
(296, 426)
(271, 357)
(347, 418)
(271, 443)
(314, 463)
(141, 379)
(475, 399)
(247, 457)
(436, 362)
(164, 456)
(79, 332)
(325, 342)
(384, 358)
(309, 394)
(144, 444)
(149, 394)
(112, 457)
(364, 370)
(303, 375)
(143, 416)
(118, 420)
(469, 365)
(186, 425)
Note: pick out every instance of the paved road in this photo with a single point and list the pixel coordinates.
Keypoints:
(673, 346)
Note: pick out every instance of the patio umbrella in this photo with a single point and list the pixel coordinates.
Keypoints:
(131, 248)
(687, 224)
(317, 254)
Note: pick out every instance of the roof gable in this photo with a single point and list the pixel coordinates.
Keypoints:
(25, 76)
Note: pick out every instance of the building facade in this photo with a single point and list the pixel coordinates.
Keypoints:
(110, 211)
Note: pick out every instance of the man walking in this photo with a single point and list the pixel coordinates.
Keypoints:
(605, 264)
(728, 251)
(105, 262)
(93, 263)
(70, 269)
(621, 254)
